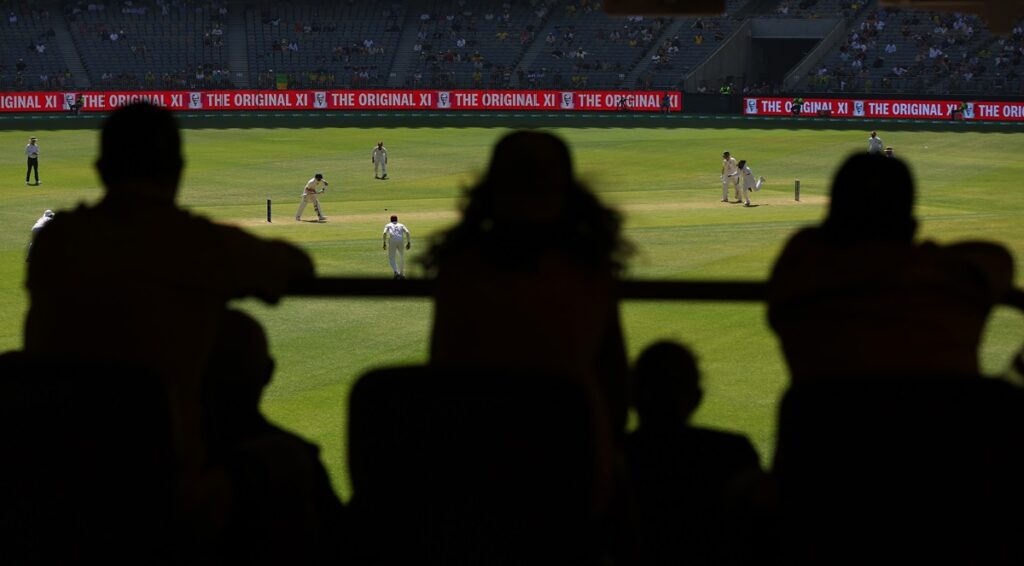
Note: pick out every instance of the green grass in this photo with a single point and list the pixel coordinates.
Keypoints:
(665, 182)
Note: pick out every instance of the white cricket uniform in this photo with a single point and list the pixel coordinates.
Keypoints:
(313, 187)
(730, 174)
(40, 223)
(395, 237)
(43, 220)
(750, 183)
(380, 161)
(875, 144)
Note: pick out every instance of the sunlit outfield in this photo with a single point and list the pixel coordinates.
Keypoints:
(665, 182)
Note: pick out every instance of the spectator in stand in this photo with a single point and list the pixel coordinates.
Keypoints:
(161, 309)
(684, 479)
(926, 305)
(551, 301)
(278, 502)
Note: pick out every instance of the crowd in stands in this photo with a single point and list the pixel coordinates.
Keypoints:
(28, 57)
(478, 45)
(889, 50)
(139, 44)
(325, 45)
(510, 445)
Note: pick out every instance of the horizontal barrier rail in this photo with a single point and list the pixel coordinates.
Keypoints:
(727, 291)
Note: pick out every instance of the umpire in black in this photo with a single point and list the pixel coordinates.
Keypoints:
(32, 152)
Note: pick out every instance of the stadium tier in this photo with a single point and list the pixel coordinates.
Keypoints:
(837, 46)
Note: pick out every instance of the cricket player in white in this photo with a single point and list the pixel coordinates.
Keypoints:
(875, 144)
(730, 174)
(750, 183)
(380, 161)
(315, 186)
(36, 228)
(397, 234)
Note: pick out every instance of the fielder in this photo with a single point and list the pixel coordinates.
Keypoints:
(730, 174)
(749, 181)
(379, 157)
(398, 234)
(36, 228)
(875, 144)
(315, 186)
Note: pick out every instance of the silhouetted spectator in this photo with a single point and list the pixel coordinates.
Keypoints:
(887, 421)
(136, 279)
(686, 481)
(280, 504)
(858, 296)
(540, 255)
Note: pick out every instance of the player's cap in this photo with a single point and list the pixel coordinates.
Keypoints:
(319, 175)
(394, 218)
(48, 213)
(724, 153)
(33, 138)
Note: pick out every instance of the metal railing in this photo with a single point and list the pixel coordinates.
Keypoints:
(726, 291)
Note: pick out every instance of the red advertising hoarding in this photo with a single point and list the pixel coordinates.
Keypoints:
(216, 100)
(876, 108)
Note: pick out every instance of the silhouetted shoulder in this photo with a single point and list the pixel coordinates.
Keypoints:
(153, 244)
(694, 449)
(869, 307)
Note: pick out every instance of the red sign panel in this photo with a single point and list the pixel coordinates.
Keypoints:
(872, 108)
(215, 100)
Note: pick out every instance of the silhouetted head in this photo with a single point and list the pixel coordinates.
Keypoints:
(742, 163)
(666, 385)
(318, 176)
(394, 218)
(380, 144)
(529, 204)
(140, 153)
(874, 134)
(872, 201)
(239, 366)
(32, 140)
(725, 155)
(529, 177)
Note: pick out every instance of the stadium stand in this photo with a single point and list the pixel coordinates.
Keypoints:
(152, 45)
(692, 41)
(29, 59)
(524, 44)
(308, 45)
(890, 50)
(478, 45)
(586, 48)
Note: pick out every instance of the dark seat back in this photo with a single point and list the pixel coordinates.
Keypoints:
(88, 462)
(467, 466)
(921, 467)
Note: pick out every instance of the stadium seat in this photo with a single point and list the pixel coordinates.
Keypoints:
(917, 469)
(470, 466)
(89, 470)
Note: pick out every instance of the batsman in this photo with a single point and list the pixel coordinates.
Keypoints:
(315, 186)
